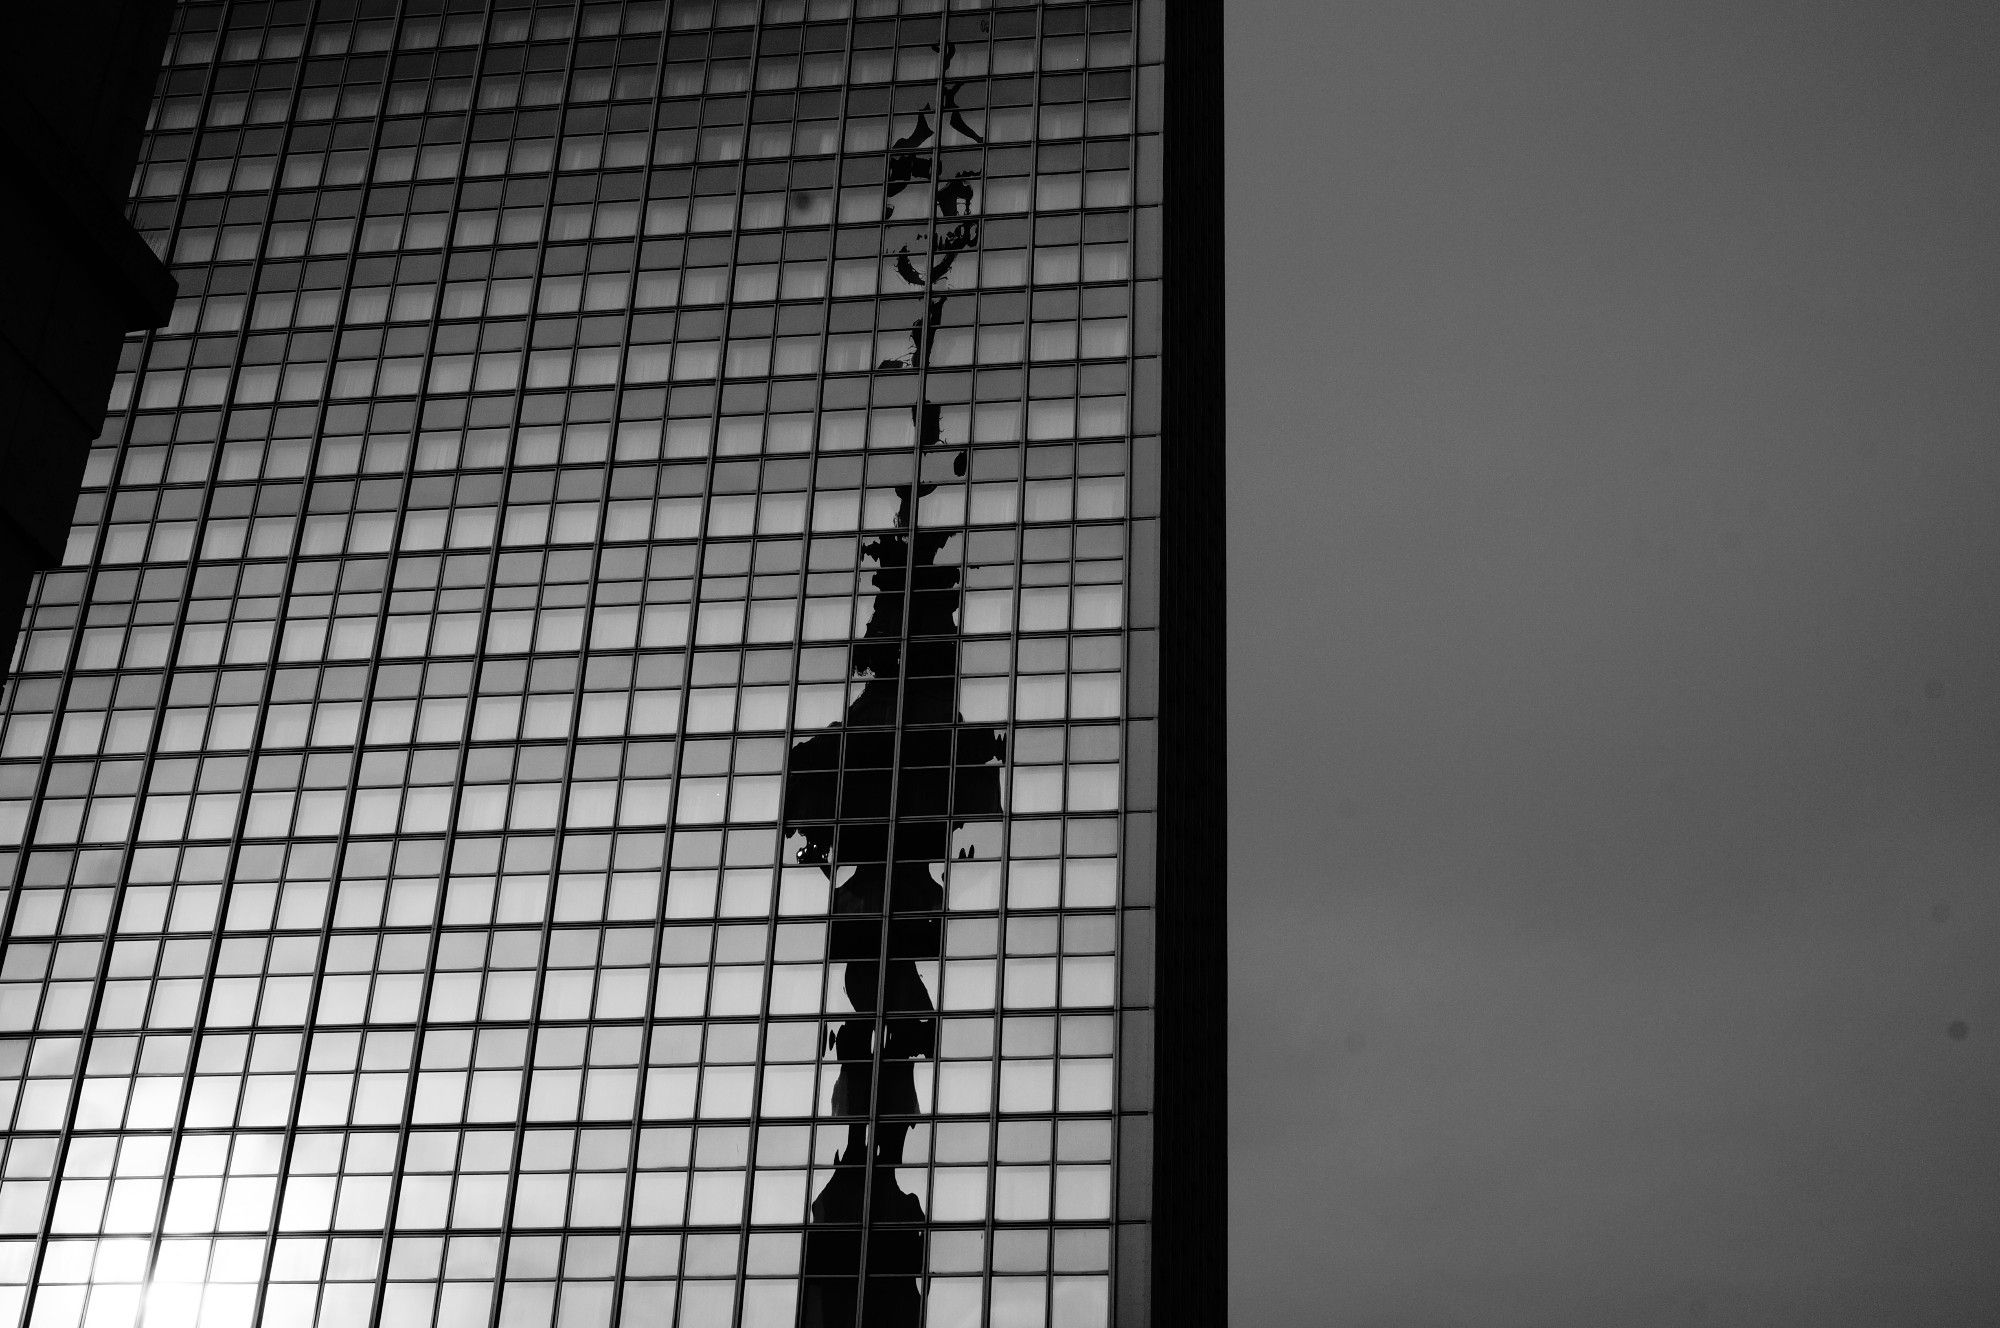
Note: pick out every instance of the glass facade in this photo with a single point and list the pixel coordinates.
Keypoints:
(593, 759)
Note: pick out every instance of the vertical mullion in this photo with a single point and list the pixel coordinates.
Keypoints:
(392, 560)
(921, 335)
(646, 1014)
(533, 1039)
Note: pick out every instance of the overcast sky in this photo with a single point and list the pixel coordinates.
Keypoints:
(1615, 569)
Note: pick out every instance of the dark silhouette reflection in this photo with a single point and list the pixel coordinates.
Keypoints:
(877, 797)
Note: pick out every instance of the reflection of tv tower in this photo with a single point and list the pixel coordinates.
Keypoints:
(880, 794)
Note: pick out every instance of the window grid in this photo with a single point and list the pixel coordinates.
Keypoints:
(579, 691)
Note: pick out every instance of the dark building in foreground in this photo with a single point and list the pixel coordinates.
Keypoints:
(75, 81)
(631, 731)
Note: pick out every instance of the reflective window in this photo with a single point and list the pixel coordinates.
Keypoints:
(580, 767)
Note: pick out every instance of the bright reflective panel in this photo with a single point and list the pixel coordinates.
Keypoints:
(578, 770)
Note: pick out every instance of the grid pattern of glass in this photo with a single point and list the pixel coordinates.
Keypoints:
(591, 761)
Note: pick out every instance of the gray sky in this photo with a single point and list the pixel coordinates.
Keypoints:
(1615, 568)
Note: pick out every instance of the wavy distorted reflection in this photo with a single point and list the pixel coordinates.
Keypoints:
(874, 800)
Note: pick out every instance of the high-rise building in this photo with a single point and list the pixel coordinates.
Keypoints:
(75, 79)
(631, 730)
